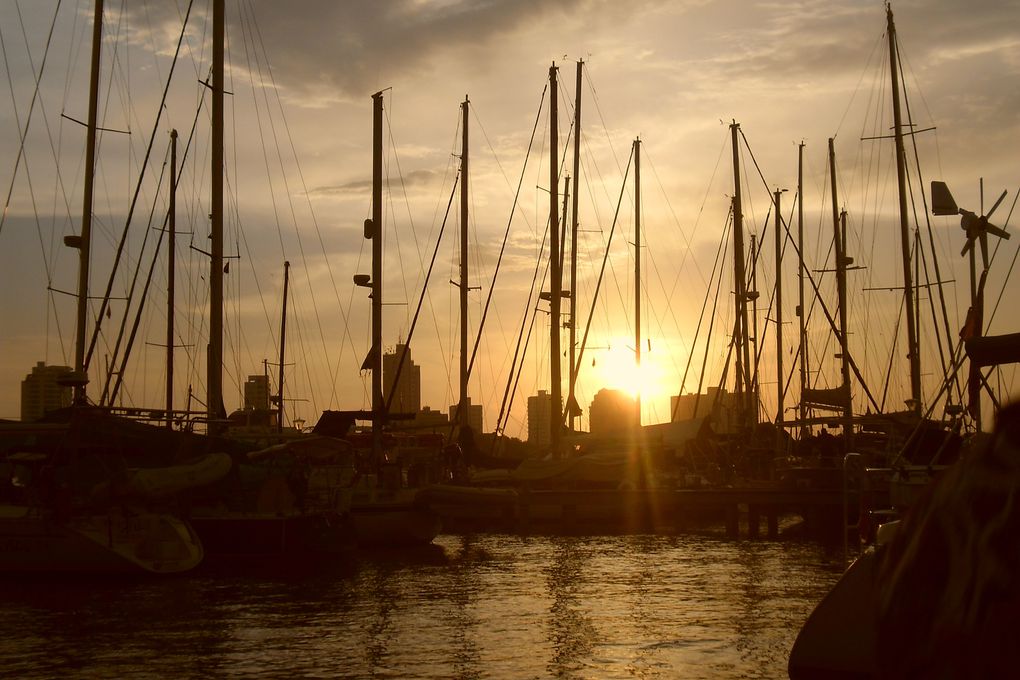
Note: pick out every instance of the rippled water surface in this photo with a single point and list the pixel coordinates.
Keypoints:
(483, 606)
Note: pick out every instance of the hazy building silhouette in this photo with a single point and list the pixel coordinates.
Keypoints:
(41, 391)
(612, 412)
(407, 397)
(717, 403)
(256, 393)
(474, 415)
(428, 420)
(539, 419)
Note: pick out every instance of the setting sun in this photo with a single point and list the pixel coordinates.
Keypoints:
(615, 369)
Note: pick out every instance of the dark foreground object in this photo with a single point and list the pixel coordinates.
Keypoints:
(941, 600)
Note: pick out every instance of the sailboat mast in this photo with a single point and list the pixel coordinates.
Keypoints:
(214, 367)
(844, 331)
(743, 381)
(839, 239)
(283, 345)
(637, 274)
(779, 317)
(375, 357)
(84, 241)
(801, 310)
(752, 295)
(462, 414)
(573, 411)
(170, 280)
(908, 288)
(556, 415)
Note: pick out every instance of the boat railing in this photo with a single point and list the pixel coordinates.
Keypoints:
(867, 488)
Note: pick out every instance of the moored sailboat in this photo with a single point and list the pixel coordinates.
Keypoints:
(931, 597)
(49, 520)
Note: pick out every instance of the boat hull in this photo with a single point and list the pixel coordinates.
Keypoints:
(395, 524)
(469, 508)
(112, 543)
(838, 639)
(241, 533)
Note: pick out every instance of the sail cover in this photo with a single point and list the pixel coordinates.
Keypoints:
(992, 350)
(835, 398)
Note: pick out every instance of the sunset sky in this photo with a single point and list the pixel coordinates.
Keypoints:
(301, 75)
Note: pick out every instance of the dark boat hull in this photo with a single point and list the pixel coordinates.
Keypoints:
(225, 534)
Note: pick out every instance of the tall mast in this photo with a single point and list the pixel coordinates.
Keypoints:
(801, 311)
(779, 318)
(214, 367)
(839, 239)
(573, 409)
(740, 285)
(556, 416)
(462, 414)
(908, 288)
(283, 345)
(376, 234)
(844, 330)
(84, 241)
(170, 280)
(752, 296)
(637, 273)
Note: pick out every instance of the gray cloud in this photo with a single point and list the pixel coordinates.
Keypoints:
(360, 187)
(328, 50)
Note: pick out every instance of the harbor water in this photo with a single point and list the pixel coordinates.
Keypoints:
(485, 606)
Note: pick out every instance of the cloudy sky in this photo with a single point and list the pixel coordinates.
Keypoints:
(674, 73)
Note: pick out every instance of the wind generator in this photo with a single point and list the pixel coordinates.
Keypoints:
(976, 227)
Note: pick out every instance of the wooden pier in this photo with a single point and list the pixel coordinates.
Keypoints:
(583, 511)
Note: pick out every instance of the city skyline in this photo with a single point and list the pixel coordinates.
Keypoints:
(673, 73)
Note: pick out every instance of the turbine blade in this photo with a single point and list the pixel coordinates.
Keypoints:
(996, 203)
(996, 231)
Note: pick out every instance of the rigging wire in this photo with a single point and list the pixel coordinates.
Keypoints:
(598, 283)
(140, 309)
(711, 324)
(719, 255)
(483, 308)
(421, 299)
(138, 187)
(131, 291)
(931, 239)
(514, 376)
(1012, 263)
(31, 106)
(506, 232)
(256, 38)
(825, 309)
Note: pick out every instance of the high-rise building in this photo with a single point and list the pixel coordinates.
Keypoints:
(256, 393)
(407, 398)
(41, 391)
(612, 412)
(539, 418)
(474, 416)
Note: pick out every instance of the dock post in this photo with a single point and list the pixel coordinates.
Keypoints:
(732, 521)
(753, 521)
(773, 520)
